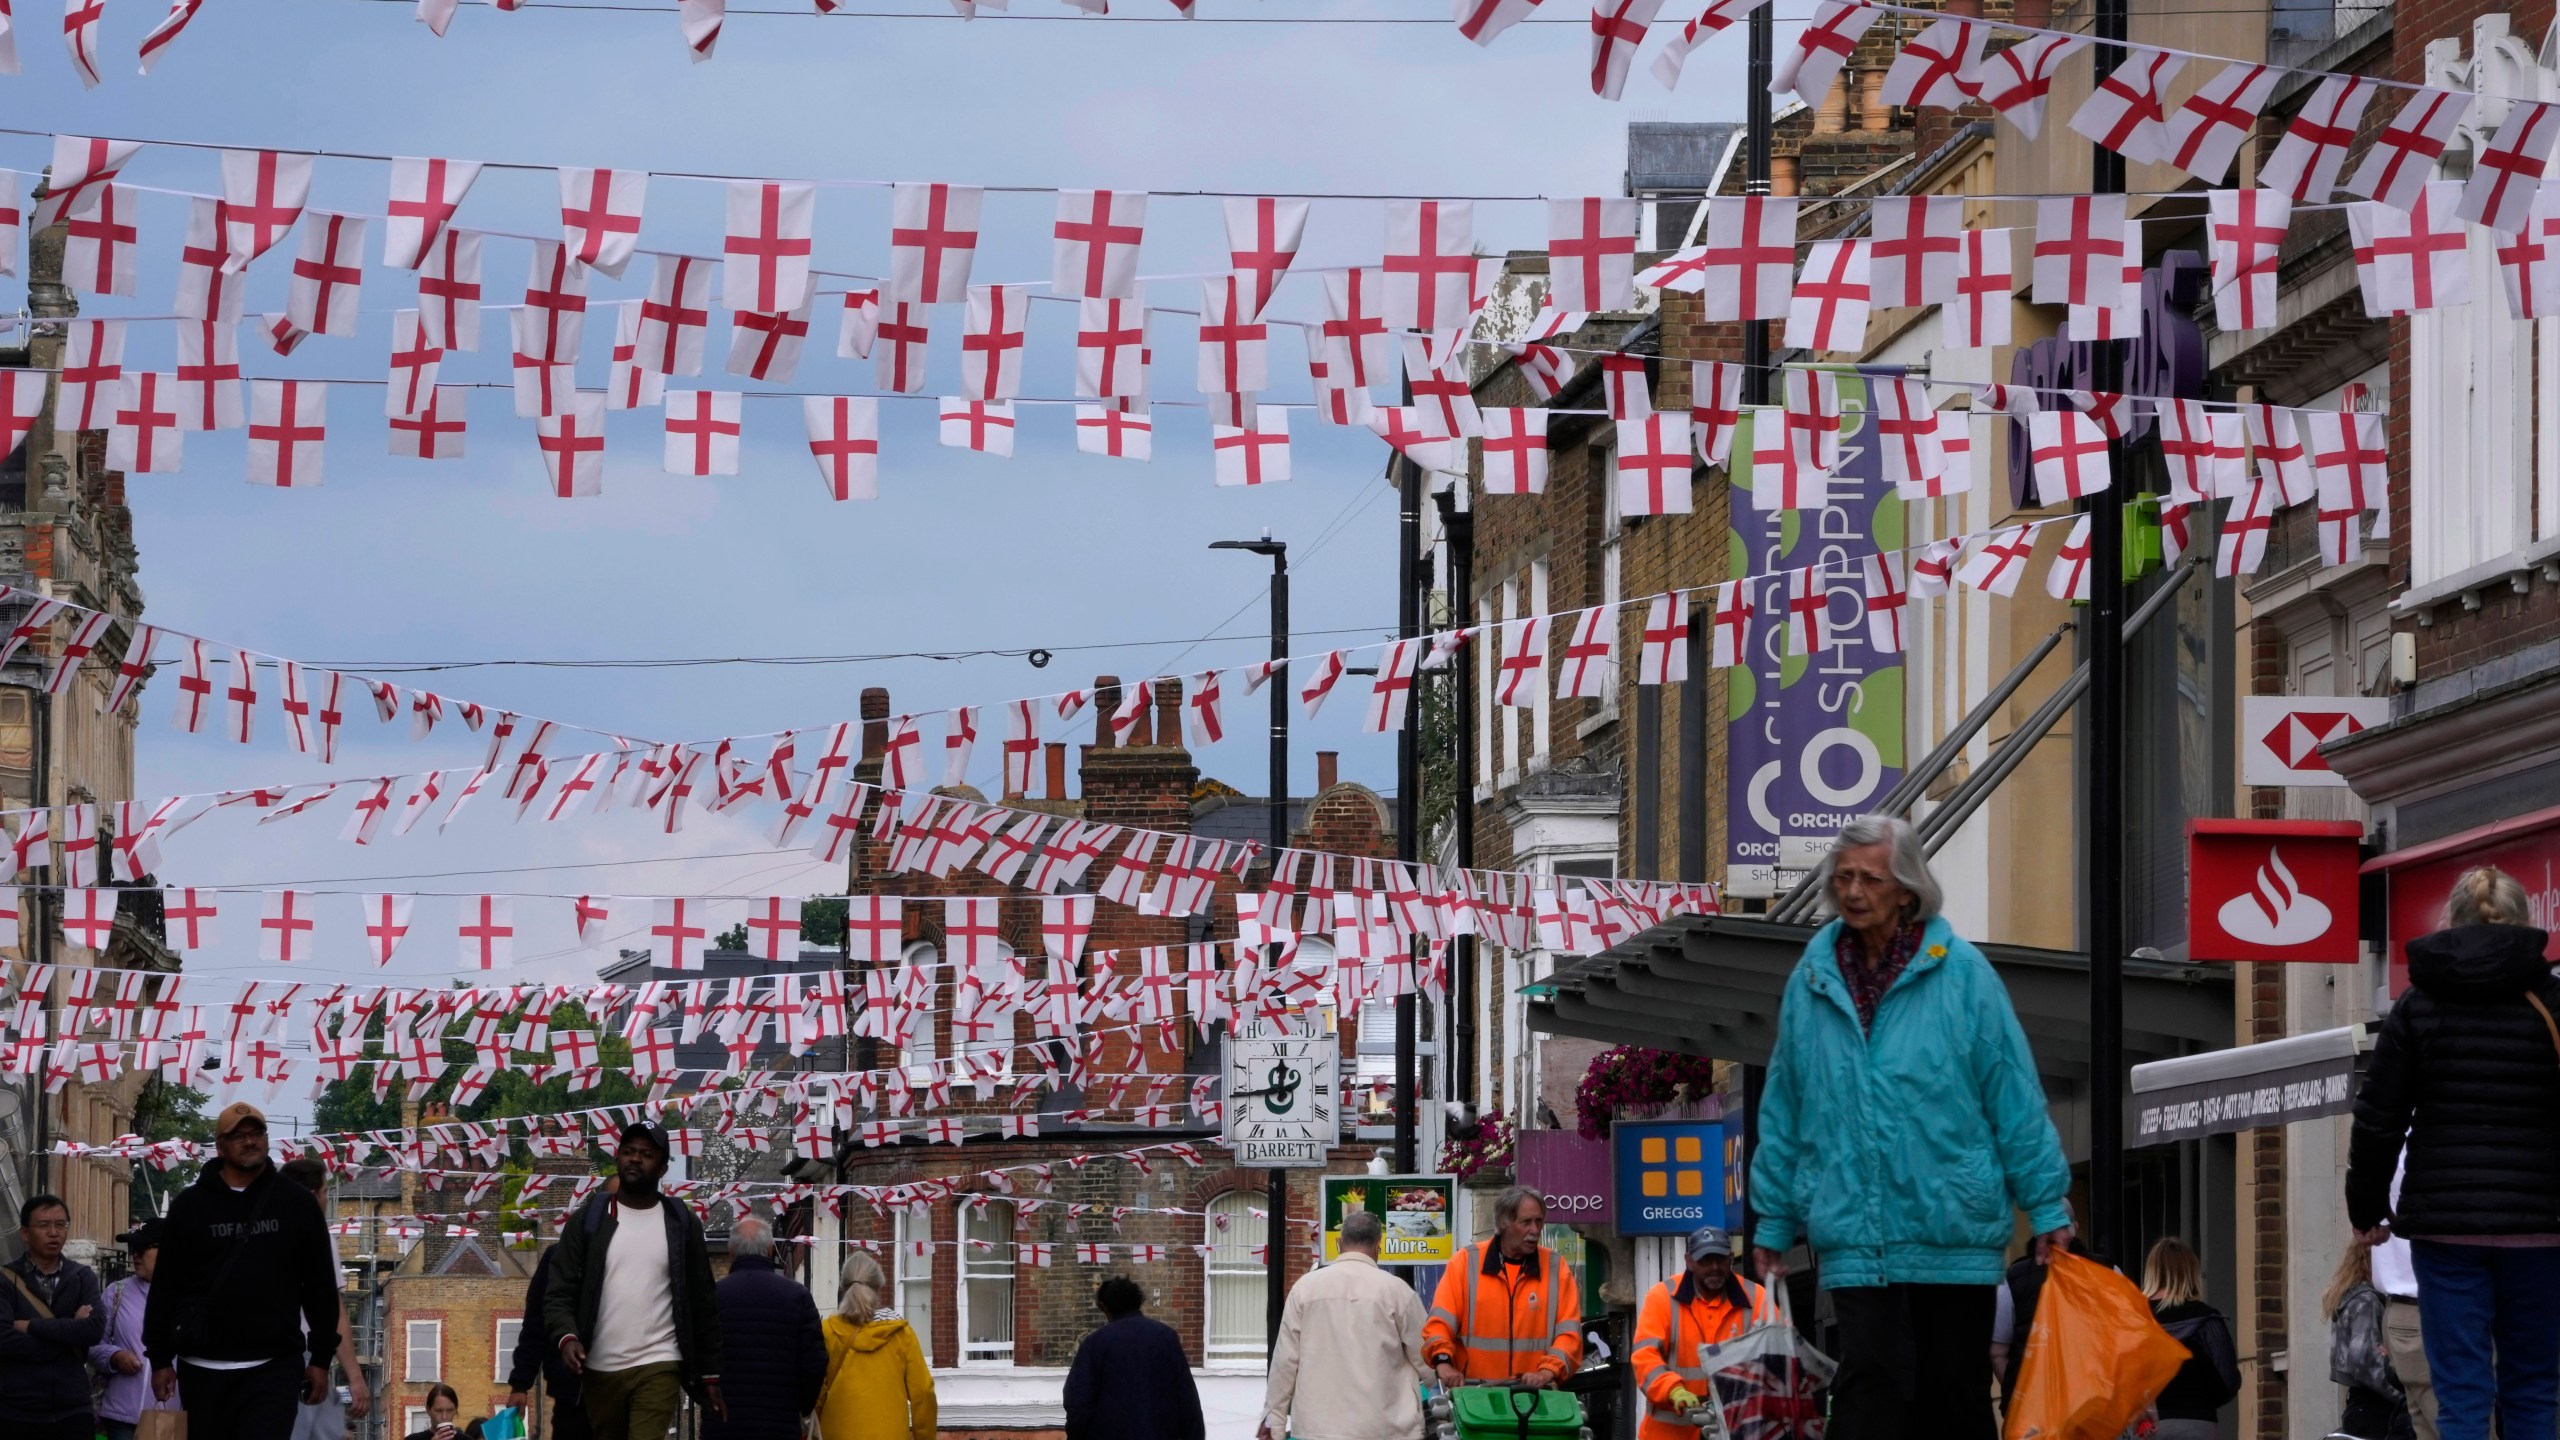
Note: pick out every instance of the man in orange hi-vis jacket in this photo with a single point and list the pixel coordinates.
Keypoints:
(1708, 1305)
(1508, 1308)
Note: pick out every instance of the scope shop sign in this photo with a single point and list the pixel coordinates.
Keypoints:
(1814, 740)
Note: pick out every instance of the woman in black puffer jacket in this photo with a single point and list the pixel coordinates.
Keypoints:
(2467, 1072)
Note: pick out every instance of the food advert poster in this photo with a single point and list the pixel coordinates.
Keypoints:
(1416, 1210)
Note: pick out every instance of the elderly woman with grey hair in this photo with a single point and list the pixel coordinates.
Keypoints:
(1901, 1130)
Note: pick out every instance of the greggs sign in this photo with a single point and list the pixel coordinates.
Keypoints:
(2273, 890)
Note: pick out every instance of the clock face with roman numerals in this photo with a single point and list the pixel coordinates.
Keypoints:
(1283, 1092)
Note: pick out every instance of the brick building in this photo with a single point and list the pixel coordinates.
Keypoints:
(65, 532)
(999, 1329)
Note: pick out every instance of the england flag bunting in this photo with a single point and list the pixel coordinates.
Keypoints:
(1662, 655)
(1941, 67)
(414, 366)
(1481, 20)
(1917, 242)
(980, 425)
(1915, 463)
(844, 439)
(933, 237)
(98, 248)
(766, 251)
(1979, 314)
(1715, 408)
(1321, 678)
(2068, 578)
(2347, 457)
(1256, 454)
(600, 216)
(1392, 687)
(1095, 249)
(327, 275)
(859, 325)
(167, 31)
(92, 376)
(2401, 162)
(209, 387)
(2124, 112)
(1235, 351)
(1822, 48)
(767, 346)
(1750, 257)
(1617, 31)
(2529, 263)
(2068, 452)
(2414, 257)
(2017, 81)
(1115, 432)
(2507, 174)
(2000, 560)
(424, 195)
(82, 167)
(449, 291)
(2242, 546)
(1359, 350)
(1715, 18)
(1933, 569)
(1654, 463)
(1429, 263)
(1111, 342)
(436, 431)
(2248, 228)
(2304, 166)
(1887, 600)
(1263, 235)
(206, 291)
(1784, 473)
(1515, 451)
(1591, 248)
(898, 348)
(1810, 628)
(2079, 249)
(572, 444)
(80, 37)
(675, 316)
(992, 341)
(287, 425)
(145, 438)
(1588, 669)
(2284, 463)
(1521, 662)
(702, 428)
(1828, 310)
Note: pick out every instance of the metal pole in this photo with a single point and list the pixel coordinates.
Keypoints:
(1758, 131)
(1408, 794)
(1461, 526)
(2105, 754)
(1276, 1235)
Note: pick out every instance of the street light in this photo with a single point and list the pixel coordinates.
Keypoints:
(1276, 1233)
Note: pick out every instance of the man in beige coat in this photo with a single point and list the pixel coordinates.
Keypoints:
(1356, 1332)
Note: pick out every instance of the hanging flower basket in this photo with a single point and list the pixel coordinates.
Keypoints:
(1481, 1158)
(1631, 1076)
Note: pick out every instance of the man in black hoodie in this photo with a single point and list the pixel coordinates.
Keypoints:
(243, 1316)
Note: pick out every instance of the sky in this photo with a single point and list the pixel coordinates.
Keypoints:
(1102, 562)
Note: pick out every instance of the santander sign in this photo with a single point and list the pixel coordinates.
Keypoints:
(2273, 890)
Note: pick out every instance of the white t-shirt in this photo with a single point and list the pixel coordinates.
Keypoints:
(636, 1317)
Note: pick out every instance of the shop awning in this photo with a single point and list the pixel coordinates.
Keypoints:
(1710, 985)
(2246, 1087)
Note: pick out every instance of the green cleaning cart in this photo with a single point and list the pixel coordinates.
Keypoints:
(1505, 1412)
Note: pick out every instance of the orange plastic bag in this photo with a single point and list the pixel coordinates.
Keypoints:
(2094, 1359)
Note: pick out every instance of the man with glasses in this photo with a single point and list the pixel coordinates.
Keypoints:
(48, 1320)
(243, 1316)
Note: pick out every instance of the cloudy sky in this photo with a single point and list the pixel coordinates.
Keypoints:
(399, 562)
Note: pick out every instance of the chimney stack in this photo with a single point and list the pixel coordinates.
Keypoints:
(1169, 711)
(1326, 766)
(875, 723)
(1057, 758)
(1106, 698)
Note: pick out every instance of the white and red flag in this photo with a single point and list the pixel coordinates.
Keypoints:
(572, 441)
(675, 316)
(992, 341)
(1716, 17)
(262, 195)
(449, 291)
(600, 215)
(1822, 48)
(145, 438)
(2016, 82)
(1116, 432)
(436, 431)
(1888, 598)
(2402, 160)
(2124, 112)
(82, 168)
(1654, 460)
(92, 376)
(985, 426)
(766, 251)
(1515, 451)
(767, 347)
(2068, 453)
(326, 275)
(2247, 229)
(2508, 172)
(2079, 250)
(1263, 235)
(898, 347)
(1111, 343)
(424, 195)
(2304, 166)
(1429, 264)
(1094, 245)
(1235, 350)
(844, 438)
(287, 425)
(555, 305)
(933, 236)
(1940, 67)
(703, 428)
(414, 364)
(2413, 258)
(1916, 245)
(1617, 31)
(1255, 454)
(1828, 310)
(1980, 312)
(1591, 253)
(1751, 257)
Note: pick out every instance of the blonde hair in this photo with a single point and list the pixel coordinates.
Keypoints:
(2486, 895)
(2354, 1268)
(2171, 1274)
(862, 1282)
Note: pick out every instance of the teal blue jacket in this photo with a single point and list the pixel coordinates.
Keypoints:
(1903, 1155)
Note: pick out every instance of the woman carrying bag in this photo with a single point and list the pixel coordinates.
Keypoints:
(878, 1386)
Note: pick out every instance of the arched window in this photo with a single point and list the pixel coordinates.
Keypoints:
(1237, 1327)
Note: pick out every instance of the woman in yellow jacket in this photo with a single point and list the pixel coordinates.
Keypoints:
(878, 1386)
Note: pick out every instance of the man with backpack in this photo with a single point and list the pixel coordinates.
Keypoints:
(632, 1306)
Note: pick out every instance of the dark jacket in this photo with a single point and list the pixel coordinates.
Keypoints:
(1131, 1381)
(2469, 1074)
(241, 1273)
(2211, 1375)
(534, 1353)
(777, 1356)
(44, 1374)
(577, 1282)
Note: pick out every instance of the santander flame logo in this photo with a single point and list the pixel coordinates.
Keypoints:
(2274, 911)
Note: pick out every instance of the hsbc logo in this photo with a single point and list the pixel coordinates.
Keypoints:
(2282, 735)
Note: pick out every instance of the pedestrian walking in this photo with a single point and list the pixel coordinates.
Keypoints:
(1901, 1131)
(243, 1316)
(536, 1357)
(1708, 1305)
(2465, 1079)
(444, 1415)
(632, 1304)
(2360, 1354)
(48, 1320)
(2191, 1404)
(877, 1385)
(345, 1397)
(1508, 1308)
(117, 1357)
(1349, 1363)
(776, 1357)
(1130, 1379)
(2403, 1334)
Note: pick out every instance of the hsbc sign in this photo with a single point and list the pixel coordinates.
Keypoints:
(2281, 735)
(2273, 890)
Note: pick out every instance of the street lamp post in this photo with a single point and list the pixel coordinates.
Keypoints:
(1275, 1232)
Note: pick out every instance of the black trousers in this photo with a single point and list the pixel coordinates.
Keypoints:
(569, 1419)
(1915, 1363)
(241, 1404)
